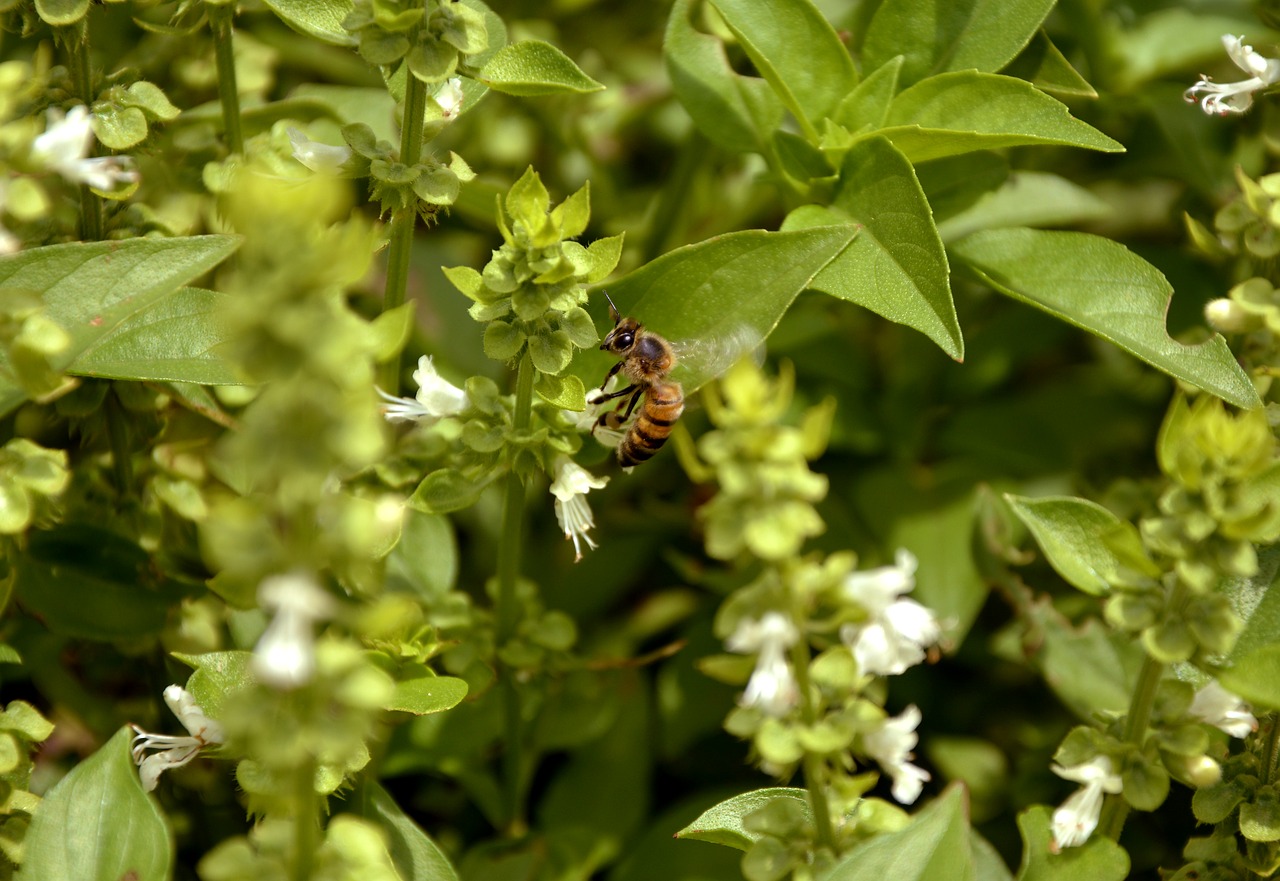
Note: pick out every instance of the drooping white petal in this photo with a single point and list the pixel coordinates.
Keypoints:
(1223, 710)
(319, 157)
(891, 746)
(570, 487)
(1077, 817)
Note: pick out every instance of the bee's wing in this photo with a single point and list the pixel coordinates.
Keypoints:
(698, 361)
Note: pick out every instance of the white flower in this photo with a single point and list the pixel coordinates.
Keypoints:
(891, 746)
(285, 655)
(436, 398)
(322, 158)
(1076, 819)
(570, 488)
(174, 752)
(64, 148)
(772, 688)
(1223, 710)
(450, 98)
(1224, 98)
(897, 630)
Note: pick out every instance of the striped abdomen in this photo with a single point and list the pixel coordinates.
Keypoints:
(663, 404)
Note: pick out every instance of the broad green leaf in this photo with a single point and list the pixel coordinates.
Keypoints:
(1077, 537)
(1091, 668)
(959, 112)
(719, 299)
(532, 67)
(1102, 287)
(97, 824)
(896, 267)
(1255, 677)
(1098, 859)
(565, 392)
(1027, 198)
(391, 330)
(1046, 68)
(175, 341)
(722, 824)
(427, 694)
(943, 35)
(446, 490)
(415, 855)
(91, 289)
(934, 846)
(217, 675)
(321, 19)
(86, 582)
(426, 558)
(796, 50)
(1257, 601)
(868, 104)
(955, 183)
(738, 113)
(987, 863)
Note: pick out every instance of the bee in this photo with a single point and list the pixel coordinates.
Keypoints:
(646, 361)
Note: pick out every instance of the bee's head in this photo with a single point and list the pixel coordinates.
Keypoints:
(622, 337)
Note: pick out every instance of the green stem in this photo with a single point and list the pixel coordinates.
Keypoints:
(815, 770)
(403, 220)
(220, 21)
(675, 193)
(306, 826)
(1271, 747)
(507, 612)
(118, 439)
(85, 87)
(1116, 809)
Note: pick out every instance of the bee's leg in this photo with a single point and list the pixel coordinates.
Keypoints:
(614, 420)
(612, 372)
(631, 406)
(618, 394)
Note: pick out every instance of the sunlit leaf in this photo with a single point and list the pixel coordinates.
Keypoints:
(97, 824)
(415, 855)
(1102, 287)
(532, 67)
(1078, 537)
(934, 846)
(722, 824)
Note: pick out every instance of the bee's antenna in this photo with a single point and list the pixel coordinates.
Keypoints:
(613, 310)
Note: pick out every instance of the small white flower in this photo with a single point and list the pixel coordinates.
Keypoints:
(1076, 819)
(1223, 710)
(436, 398)
(450, 98)
(570, 487)
(1237, 97)
(772, 688)
(174, 752)
(64, 148)
(321, 158)
(891, 746)
(896, 631)
(285, 656)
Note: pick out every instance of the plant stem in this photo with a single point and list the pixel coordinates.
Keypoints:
(665, 224)
(220, 19)
(1116, 809)
(118, 438)
(1270, 748)
(82, 80)
(507, 613)
(305, 822)
(815, 772)
(403, 220)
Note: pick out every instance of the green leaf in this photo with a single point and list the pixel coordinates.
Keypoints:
(217, 675)
(321, 19)
(391, 331)
(97, 824)
(954, 113)
(177, 340)
(151, 99)
(722, 824)
(944, 35)
(445, 490)
(955, 183)
(896, 267)
(415, 855)
(934, 846)
(565, 392)
(1102, 287)
(119, 128)
(1092, 668)
(1256, 677)
(738, 113)
(1078, 537)
(1046, 68)
(798, 158)
(532, 67)
(427, 694)
(426, 558)
(868, 104)
(723, 296)
(796, 50)
(1257, 601)
(1098, 859)
(61, 13)
(86, 582)
(1027, 198)
(91, 289)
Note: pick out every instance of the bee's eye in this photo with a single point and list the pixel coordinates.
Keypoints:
(625, 340)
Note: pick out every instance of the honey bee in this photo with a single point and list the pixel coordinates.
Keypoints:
(646, 361)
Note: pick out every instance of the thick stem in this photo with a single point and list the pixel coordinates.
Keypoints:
(220, 19)
(815, 770)
(82, 78)
(507, 613)
(1272, 747)
(306, 823)
(403, 220)
(665, 224)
